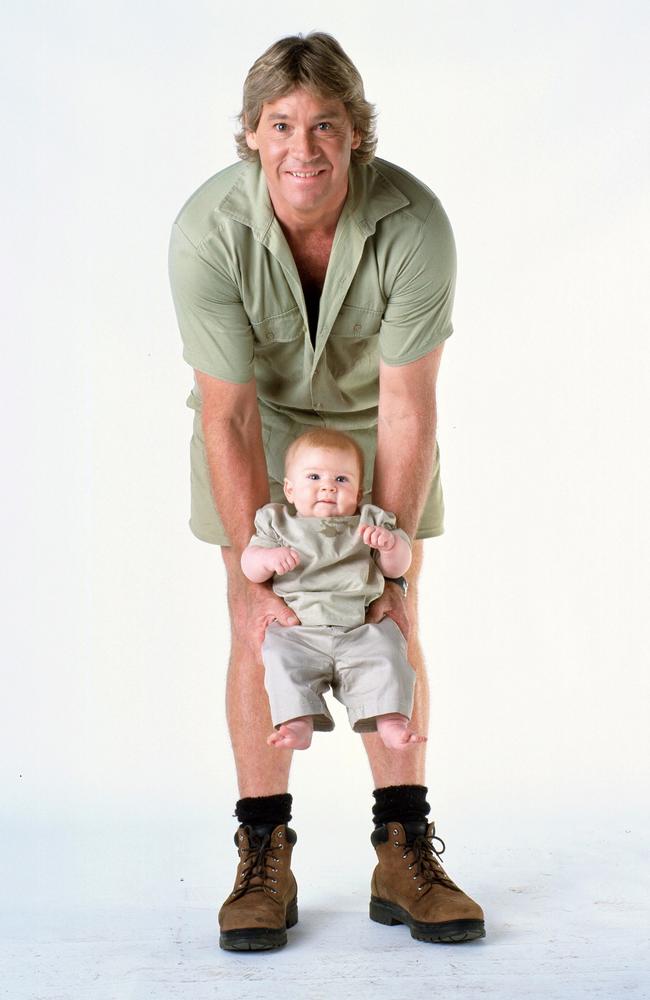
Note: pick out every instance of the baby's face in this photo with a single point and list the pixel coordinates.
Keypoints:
(323, 482)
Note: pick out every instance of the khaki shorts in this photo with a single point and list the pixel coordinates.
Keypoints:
(364, 665)
(206, 524)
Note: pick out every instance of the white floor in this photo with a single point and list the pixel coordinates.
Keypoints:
(566, 920)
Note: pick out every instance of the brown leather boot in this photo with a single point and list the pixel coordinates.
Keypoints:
(263, 903)
(410, 886)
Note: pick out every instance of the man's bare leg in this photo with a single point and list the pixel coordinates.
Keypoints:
(406, 767)
(261, 769)
(443, 912)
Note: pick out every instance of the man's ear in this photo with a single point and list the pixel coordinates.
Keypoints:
(288, 489)
(356, 139)
(251, 140)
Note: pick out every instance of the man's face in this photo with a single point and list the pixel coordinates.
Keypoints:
(323, 482)
(304, 143)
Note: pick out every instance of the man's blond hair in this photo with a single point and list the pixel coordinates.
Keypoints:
(325, 437)
(317, 63)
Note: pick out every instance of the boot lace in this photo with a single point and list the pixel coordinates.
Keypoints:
(256, 872)
(426, 862)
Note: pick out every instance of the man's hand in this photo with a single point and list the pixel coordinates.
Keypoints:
(377, 537)
(262, 608)
(391, 604)
(281, 560)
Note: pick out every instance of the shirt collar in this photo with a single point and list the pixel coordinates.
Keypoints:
(371, 197)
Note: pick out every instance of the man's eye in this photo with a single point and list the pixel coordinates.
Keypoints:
(280, 126)
(324, 126)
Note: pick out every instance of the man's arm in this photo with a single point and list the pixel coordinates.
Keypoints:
(406, 433)
(235, 455)
(233, 442)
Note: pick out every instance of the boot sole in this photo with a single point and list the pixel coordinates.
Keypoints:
(260, 938)
(446, 932)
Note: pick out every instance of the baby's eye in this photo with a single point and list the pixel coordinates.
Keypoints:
(313, 475)
(342, 479)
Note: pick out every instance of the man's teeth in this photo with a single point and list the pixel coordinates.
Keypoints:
(297, 173)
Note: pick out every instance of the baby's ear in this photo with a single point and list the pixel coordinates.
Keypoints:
(288, 489)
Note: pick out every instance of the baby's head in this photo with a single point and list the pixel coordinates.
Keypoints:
(323, 474)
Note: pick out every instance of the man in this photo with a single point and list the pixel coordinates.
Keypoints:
(313, 285)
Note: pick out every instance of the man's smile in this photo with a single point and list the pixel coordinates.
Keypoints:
(305, 174)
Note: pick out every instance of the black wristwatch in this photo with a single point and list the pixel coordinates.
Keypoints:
(401, 582)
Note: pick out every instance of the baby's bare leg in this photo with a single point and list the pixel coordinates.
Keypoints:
(395, 731)
(295, 734)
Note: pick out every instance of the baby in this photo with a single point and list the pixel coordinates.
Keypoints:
(328, 561)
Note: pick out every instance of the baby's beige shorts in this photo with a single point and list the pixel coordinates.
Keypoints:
(364, 665)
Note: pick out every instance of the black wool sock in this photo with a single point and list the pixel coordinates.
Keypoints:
(400, 804)
(260, 809)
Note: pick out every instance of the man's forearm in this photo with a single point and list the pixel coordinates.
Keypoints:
(238, 475)
(403, 467)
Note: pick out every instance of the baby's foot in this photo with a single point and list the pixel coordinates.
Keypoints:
(396, 733)
(293, 735)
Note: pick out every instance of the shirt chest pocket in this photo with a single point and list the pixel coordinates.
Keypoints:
(353, 322)
(279, 329)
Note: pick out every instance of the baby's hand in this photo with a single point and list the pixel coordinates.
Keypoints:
(376, 537)
(282, 559)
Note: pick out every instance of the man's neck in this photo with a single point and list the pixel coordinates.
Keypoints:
(300, 226)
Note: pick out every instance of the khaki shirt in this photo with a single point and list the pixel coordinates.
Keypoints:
(337, 577)
(388, 293)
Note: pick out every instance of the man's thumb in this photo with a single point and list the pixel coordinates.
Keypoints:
(287, 618)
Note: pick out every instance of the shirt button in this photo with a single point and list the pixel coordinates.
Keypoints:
(269, 336)
(357, 328)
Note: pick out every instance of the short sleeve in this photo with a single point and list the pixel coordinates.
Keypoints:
(265, 537)
(216, 333)
(370, 514)
(417, 317)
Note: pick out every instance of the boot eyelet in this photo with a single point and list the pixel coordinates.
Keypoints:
(280, 833)
(410, 866)
(395, 844)
(395, 832)
(274, 890)
(415, 876)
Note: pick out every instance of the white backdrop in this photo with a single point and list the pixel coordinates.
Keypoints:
(529, 120)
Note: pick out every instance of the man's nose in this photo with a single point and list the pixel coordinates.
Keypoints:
(303, 145)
